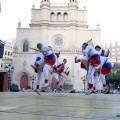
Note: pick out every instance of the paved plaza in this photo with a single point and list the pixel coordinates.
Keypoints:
(59, 106)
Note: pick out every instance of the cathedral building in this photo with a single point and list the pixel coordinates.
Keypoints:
(65, 28)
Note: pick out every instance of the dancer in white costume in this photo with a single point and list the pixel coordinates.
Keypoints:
(93, 58)
(105, 68)
(103, 80)
(50, 60)
(58, 69)
(60, 85)
(96, 73)
(102, 70)
(54, 70)
(40, 62)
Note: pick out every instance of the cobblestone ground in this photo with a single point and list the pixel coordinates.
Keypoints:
(59, 106)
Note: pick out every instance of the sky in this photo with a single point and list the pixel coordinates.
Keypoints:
(104, 12)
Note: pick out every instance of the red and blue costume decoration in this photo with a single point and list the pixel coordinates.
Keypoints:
(59, 69)
(50, 59)
(106, 68)
(95, 60)
(37, 59)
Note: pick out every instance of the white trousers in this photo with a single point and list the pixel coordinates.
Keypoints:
(56, 77)
(39, 76)
(40, 59)
(96, 77)
(101, 77)
(46, 70)
(91, 71)
(61, 81)
(84, 60)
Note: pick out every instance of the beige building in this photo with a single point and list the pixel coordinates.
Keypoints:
(7, 59)
(64, 28)
(114, 52)
(7, 56)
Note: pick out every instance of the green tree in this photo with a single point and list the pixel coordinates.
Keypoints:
(114, 76)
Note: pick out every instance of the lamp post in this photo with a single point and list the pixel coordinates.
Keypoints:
(32, 79)
(9, 69)
(83, 79)
(73, 81)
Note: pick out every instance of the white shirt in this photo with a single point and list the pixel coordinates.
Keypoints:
(47, 52)
(90, 51)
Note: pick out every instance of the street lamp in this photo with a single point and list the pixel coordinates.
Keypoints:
(73, 81)
(9, 69)
(83, 79)
(32, 79)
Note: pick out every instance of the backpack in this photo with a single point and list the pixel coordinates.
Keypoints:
(14, 87)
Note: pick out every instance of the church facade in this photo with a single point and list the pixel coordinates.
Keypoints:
(64, 28)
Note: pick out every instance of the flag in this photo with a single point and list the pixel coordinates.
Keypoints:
(1, 49)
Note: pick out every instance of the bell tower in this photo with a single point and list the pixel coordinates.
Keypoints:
(45, 3)
(73, 4)
(45, 7)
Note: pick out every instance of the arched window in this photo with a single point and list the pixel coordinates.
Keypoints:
(59, 16)
(52, 16)
(65, 16)
(25, 46)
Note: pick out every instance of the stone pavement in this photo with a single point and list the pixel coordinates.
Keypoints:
(59, 106)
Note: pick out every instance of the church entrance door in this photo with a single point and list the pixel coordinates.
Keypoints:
(24, 81)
